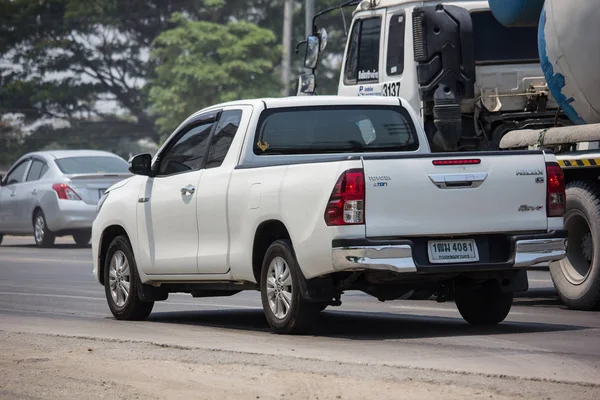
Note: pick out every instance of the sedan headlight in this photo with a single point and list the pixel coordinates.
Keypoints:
(101, 202)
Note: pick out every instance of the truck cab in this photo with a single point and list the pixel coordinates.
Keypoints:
(471, 78)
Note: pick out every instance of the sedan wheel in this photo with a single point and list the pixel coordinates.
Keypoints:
(42, 235)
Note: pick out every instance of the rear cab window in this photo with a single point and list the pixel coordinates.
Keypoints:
(335, 129)
(92, 165)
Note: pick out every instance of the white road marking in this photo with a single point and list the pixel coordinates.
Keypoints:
(43, 260)
(440, 309)
(103, 299)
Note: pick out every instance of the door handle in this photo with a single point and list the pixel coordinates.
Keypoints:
(448, 181)
(34, 192)
(189, 189)
(13, 194)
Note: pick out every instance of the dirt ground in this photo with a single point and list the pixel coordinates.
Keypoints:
(52, 367)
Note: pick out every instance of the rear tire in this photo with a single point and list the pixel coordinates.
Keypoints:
(82, 238)
(484, 305)
(41, 233)
(285, 309)
(577, 276)
(121, 282)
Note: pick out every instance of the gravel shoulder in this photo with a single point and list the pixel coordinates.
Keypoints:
(36, 366)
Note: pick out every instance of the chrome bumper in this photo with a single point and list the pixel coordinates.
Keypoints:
(535, 251)
(386, 258)
(399, 258)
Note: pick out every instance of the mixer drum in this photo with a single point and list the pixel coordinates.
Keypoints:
(569, 48)
(517, 13)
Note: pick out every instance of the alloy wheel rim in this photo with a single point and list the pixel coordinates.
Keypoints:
(279, 288)
(119, 277)
(39, 229)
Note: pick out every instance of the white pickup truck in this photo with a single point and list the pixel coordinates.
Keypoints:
(304, 198)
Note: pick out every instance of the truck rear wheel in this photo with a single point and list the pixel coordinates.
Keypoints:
(484, 305)
(285, 309)
(577, 276)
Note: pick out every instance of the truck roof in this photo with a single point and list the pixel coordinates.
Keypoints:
(392, 3)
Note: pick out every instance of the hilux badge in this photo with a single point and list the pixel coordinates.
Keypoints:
(530, 172)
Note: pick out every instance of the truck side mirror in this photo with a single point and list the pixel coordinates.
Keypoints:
(306, 85)
(311, 56)
(141, 164)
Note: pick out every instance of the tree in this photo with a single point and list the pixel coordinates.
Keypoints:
(202, 63)
(69, 57)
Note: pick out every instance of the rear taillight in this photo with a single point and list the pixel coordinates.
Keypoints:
(556, 198)
(65, 192)
(346, 204)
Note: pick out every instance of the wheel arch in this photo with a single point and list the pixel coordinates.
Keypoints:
(35, 211)
(266, 233)
(108, 235)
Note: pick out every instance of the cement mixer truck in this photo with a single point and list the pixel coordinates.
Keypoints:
(487, 76)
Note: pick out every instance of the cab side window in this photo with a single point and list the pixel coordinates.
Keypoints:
(37, 170)
(362, 61)
(17, 175)
(395, 48)
(188, 152)
(224, 134)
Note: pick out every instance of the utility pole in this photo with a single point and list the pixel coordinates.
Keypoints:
(286, 65)
(310, 13)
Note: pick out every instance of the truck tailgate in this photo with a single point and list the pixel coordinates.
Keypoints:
(410, 196)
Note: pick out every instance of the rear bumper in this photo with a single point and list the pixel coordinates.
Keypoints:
(401, 255)
(70, 215)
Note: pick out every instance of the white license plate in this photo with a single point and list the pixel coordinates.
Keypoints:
(452, 251)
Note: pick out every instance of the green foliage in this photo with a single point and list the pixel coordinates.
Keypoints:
(61, 59)
(202, 63)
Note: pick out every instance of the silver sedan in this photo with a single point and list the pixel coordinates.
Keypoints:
(55, 193)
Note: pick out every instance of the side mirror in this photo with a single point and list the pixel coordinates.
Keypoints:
(312, 52)
(306, 85)
(141, 164)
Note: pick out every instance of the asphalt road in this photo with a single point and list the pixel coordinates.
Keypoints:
(52, 291)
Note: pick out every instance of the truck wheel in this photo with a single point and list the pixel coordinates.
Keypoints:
(121, 282)
(82, 238)
(577, 276)
(484, 305)
(284, 308)
(41, 233)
